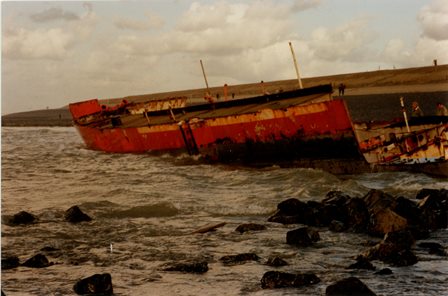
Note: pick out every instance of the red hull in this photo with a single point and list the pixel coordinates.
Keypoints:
(272, 129)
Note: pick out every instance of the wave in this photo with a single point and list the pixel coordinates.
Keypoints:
(145, 211)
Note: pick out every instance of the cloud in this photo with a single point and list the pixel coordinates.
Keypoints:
(300, 5)
(55, 43)
(434, 20)
(348, 42)
(34, 44)
(152, 22)
(54, 13)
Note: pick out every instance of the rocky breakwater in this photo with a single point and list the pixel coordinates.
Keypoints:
(399, 221)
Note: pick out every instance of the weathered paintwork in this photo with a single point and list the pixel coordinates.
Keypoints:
(291, 125)
(425, 142)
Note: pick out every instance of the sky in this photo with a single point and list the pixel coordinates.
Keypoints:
(55, 53)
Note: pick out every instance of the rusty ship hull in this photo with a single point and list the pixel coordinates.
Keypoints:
(298, 124)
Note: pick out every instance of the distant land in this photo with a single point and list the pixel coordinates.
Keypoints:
(369, 95)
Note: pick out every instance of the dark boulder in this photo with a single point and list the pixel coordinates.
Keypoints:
(277, 279)
(188, 267)
(37, 261)
(302, 237)
(362, 263)
(384, 271)
(96, 284)
(408, 209)
(357, 214)
(239, 259)
(250, 227)
(290, 211)
(75, 215)
(434, 212)
(292, 207)
(394, 249)
(21, 218)
(10, 262)
(349, 286)
(336, 198)
(337, 226)
(276, 262)
(432, 247)
(382, 219)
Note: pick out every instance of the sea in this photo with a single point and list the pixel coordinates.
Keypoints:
(146, 209)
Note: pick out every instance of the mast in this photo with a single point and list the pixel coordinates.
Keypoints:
(205, 77)
(295, 65)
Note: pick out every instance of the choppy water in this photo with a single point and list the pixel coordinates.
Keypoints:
(147, 207)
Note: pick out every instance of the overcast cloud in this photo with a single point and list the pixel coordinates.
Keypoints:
(54, 53)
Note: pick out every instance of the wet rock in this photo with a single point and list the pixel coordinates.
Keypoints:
(250, 227)
(276, 262)
(291, 211)
(384, 271)
(357, 214)
(432, 247)
(384, 221)
(37, 261)
(302, 237)
(400, 239)
(394, 249)
(292, 207)
(408, 209)
(434, 212)
(75, 215)
(49, 249)
(349, 286)
(277, 279)
(377, 200)
(337, 226)
(3, 294)
(337, 198)
(95, 284)
(188, 267)
(21, 218)
(10, 262)
(362, 263)
(239, 259)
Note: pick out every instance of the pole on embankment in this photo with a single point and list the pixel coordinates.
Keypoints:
(205, 77)
(295, 65)
(404, 114)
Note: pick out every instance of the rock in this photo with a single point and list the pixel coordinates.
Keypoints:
(37, 261)
(276, 262)
(3, 294)
(378, 200)
(302, 237)
(362, 263)
(384, 221)
(277, 279)
(432, 247)
(434, 212)
(384, 271)
(292, 207)
(336, 198)
(408, 209)
(394, 249)
(401, 239)
(349, 286)
(188, 267)
(95, 284)
(21, 218)
(10, 262)
(250, 227)
(290, 211)
(239, 259)
(75, 215)
(357, 214)
(337, 226)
